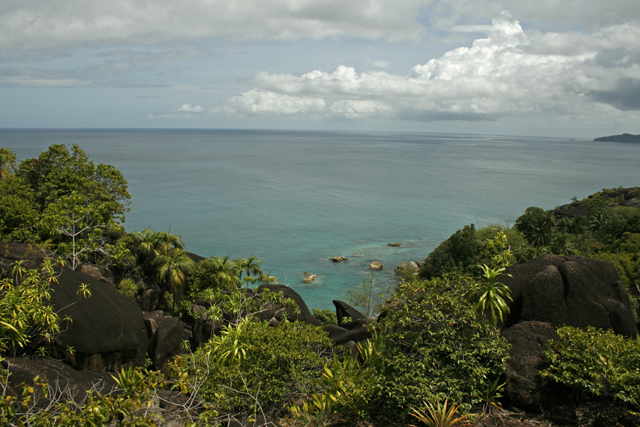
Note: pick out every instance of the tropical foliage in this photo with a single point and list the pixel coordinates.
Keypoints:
(434, 346)
(491, 295)
(596, 363)
(252, 367)
(439, 415)
(61, 198)
(28, 322)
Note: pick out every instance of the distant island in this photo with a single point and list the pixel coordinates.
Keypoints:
(625, 137)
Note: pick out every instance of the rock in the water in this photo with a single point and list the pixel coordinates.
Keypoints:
(376, 265)
(394, 244)
(107, 330)
(413, 266)
(573, 291)
(339, 259)
(525, 388)
(308, 277)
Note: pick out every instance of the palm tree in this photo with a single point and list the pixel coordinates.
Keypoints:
(146, 240)
(166, 241)
(172, 267)
(250, 266)
(156, 242)
(226, 271)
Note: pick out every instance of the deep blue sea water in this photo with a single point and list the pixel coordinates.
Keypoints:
(294, 199)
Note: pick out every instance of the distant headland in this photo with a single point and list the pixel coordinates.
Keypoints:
(625, 137)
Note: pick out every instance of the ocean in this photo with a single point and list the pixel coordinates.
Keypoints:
(294, 199)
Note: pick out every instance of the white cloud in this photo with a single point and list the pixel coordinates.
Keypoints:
(190, 109)
(257, 102)
(506, 73)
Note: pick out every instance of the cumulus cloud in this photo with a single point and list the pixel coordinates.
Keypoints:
(505, 73)
(258, 102)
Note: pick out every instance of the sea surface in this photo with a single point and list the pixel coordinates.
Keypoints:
(296, 198)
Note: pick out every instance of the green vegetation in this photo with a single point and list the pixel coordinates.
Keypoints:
(440, 415)
(28, 320)
(596, 364)
(61, 199)
(435, 346)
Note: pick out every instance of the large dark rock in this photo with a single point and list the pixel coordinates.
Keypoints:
(106, 331)
(525, 388)
(304, 315)
(572, 291)
(344, 310)
(167, 341)
(341, 336)
(98, 272)
(12, 252)
(69, 383)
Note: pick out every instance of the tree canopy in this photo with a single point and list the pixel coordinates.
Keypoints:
(61, 198)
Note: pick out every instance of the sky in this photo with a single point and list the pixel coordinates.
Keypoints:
(560, 68)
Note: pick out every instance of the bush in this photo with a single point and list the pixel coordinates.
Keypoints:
(326, 317)
(595, 363)
(253, 367)
(27, 319)
(434, 346)
(453, 256)
(128, 288)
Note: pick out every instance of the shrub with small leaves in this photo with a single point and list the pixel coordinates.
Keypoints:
(596, 363)
(435, 346)
(253, 367)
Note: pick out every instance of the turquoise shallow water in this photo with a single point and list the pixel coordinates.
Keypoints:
(295, 199)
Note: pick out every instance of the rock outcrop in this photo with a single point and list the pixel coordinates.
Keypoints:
(304, 315)
(572, 291)
(71, 384)
(106, 330)
(167, 342)
(525, 388)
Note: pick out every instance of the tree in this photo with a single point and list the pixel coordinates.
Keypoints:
(27, 317)
(537, 225)
(78, 219)
(172, 267)
(60, 171)
(7, 163)
(455, 255)
(251, 267)
(20, 218)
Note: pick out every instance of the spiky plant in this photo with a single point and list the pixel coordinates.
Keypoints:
(440, 415)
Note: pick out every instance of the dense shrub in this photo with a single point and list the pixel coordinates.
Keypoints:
(452, 256)
(596, 363)
(434, 346)
(253, 367)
